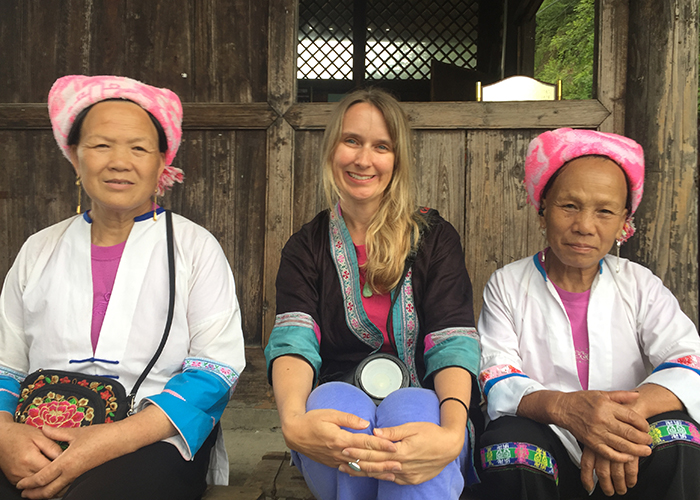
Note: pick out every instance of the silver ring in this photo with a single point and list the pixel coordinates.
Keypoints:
(355, 465)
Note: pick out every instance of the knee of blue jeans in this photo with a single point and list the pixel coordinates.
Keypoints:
(344, 397)
(411, 404)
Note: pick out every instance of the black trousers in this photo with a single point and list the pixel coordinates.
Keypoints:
(155, 472)
(669, 473)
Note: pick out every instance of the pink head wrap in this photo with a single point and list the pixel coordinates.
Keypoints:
(71, 94)
(551, 150)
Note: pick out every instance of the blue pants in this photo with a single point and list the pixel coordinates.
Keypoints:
(400, 407)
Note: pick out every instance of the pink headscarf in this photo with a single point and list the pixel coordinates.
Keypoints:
(551, 150)
(71, 94)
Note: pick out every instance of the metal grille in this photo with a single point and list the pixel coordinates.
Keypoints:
(404, 35)
(324, 51)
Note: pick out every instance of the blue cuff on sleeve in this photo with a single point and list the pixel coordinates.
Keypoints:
(9, 394)
(194, 401)
(299, 340)
(459, 350)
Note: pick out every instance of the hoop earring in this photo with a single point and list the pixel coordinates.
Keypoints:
(155, 199)
(80, 190)
(618, 243)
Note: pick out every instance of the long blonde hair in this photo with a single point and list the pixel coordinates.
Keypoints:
(394, 229)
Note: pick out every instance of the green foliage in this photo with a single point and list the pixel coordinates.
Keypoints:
(564, 45)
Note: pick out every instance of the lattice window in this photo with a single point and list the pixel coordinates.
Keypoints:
(403, 36)
(400, 39)
(325, 40)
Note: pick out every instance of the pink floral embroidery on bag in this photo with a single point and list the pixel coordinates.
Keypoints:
(55, 414)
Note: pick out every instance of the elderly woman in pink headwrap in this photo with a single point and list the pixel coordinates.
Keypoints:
(587, 360)
(126, 291)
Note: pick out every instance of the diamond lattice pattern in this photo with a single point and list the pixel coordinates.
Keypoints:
(402, 37)
(324, 51)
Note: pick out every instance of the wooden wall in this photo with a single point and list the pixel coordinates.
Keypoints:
(250, 153)
(663, 75)
(209, 52)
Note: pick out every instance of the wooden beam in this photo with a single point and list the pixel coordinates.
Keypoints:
(610, 63)
(227, 116)
(25, 116)
(210, 116)
(661, 114)
(470, 115)
(281, 93)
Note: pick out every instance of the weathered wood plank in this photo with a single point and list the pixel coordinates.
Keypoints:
(41, 52)
(662, 75)
(440, 173)
(12, 62)
(230, 47)
(159, 48)
(278, 223)
(37, 189)
(197, 116)
(223, 116)
(282, 50)
(25, 116)
(103, 37)
(610, 64)
(485, 212)
(281, 93)
(520, 221)
(309, 197)
(500, 227)
(247, 225)
(468, 115)
(222, 193)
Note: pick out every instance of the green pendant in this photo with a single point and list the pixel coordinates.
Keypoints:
(366, 291)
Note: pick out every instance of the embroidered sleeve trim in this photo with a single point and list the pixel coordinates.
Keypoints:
(225, 372)
(298, 319)
(435, 338)
(516, 454)
(13, 374)
(691, 362)
(489, 376)
(667, 431)
(294, 319)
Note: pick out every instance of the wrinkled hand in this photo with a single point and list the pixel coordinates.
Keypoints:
(422, 451)
(614, 477)
(318, 434)
(603, 422)
(24, 450)
(88, 448)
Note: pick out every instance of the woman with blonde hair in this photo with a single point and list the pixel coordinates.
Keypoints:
(373, 286)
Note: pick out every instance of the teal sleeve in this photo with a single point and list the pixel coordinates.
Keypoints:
(293, 339)
(457, 350)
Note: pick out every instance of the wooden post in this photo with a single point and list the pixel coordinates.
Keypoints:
(610, 63)
(282, 80)
(661, 114)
